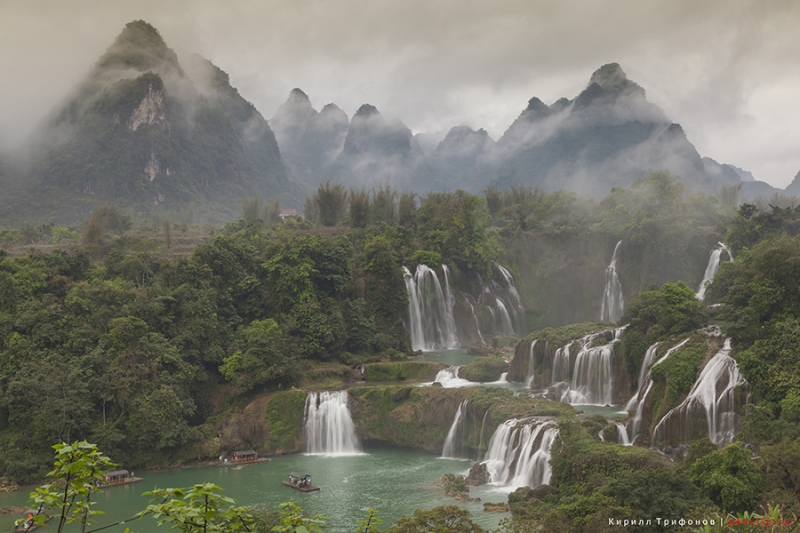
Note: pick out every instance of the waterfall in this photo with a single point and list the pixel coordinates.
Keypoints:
(561, 364)
(451, 442)
(515, 300)
(612, 307)
(529, 379)
(505, 319)
(503, 302)
(430, 310)
(711, 269)
(449, 379)
(622, 434)
(639, 399)
(713, 394)
(329, 428)
(519, 453)
(483, 424)
(468, 299)
(593, 376)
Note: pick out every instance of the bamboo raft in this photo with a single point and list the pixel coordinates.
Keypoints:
(301, 482)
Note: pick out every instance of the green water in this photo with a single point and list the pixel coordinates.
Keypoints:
(391, 480)
(447, 357)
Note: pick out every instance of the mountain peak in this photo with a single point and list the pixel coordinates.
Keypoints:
(610, 77)
(297, 96)
(365, 111)
(331, 108)
(139, 47)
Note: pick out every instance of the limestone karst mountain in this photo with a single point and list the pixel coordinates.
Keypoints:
(794, 186)
(377, 152)
(464, 159)
(309, 140)
(145, 130)
(608, 136)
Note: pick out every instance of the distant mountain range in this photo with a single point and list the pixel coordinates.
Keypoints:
(608, 136)
(153, 132)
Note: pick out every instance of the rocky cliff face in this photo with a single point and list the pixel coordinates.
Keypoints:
(415, 417)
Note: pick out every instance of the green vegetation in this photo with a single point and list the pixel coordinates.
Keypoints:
(595, 481)
(484, 369)
(402, 371)
(558, 337)
(444, 519)
(284, 419)
(674, 377)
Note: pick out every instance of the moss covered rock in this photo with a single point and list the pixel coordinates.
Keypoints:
(485, 369)
(402, 371)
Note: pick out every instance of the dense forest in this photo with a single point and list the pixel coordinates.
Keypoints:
(144, 340)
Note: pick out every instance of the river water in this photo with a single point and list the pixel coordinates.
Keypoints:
(394, 481)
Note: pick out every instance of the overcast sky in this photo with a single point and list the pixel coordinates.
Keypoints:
(728, 71)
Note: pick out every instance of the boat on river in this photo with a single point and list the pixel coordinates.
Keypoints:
(301, 482)
(119, 477)
(27, 522)
(242, 458)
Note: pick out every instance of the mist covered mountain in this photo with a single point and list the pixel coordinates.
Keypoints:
(150, 130)
(464, 158)
(309, 140)
(794, 186)
(378, 152)
(607, 136)
(146, 130)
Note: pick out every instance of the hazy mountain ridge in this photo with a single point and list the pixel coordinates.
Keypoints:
(309, 140)
(378, 152)
(149, 129)
(141, 131)
(608, 136)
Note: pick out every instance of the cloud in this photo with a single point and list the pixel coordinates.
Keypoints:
(443, 63)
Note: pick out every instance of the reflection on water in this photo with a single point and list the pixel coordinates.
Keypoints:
(391, 480)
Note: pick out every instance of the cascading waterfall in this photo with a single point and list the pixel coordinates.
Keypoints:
(430, 310)
(503, 302)
(329, 428)
(515, 300)
(713, 395)
(561, 364)
(450, 450)
(711, 269)
(519, 453)
(622, 434)
(593, 376)
(612, 306)
(529, 379)
(506, 327)
(448, 378)
(637, 402)
(468, 299)
(483, 425)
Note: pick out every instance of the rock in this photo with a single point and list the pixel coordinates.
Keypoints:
(495, 507)
(478, 475)
(6, 486)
